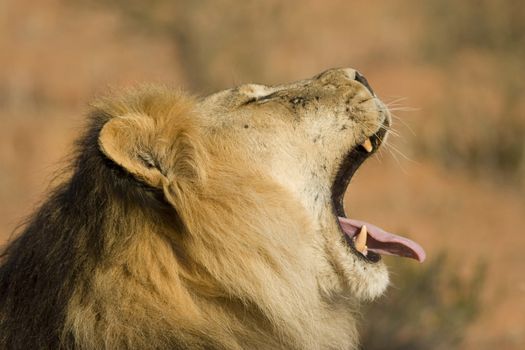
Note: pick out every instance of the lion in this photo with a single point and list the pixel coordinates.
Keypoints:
(206, 223)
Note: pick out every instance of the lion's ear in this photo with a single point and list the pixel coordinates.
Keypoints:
(128, 141)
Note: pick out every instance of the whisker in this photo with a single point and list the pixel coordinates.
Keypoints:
(398, 151)
(403, 169)
(390, 130)
(380, 155)
(395, 100)
(405, 124)
(403, 109)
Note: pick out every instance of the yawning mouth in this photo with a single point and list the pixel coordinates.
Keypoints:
(366, 240)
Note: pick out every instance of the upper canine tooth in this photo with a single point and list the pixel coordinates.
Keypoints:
(367, 145)
(360, 240)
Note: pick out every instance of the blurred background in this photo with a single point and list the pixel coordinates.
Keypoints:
(453, 178)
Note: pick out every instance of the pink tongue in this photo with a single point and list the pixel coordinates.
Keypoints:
(382, 242)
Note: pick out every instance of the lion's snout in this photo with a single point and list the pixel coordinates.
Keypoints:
(360, 78)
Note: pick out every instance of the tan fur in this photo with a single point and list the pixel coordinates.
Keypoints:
(255, 259)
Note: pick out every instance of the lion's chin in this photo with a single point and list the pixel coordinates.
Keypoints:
(363, 280)
(371, 281)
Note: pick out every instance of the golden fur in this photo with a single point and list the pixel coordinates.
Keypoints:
(232, 242)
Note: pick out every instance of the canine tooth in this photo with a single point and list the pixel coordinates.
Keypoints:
(367, 145)
(360, 240)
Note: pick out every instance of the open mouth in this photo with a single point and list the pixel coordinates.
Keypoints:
(366, 240)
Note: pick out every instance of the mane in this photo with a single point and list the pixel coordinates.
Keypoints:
(64, 240)
(108, 261)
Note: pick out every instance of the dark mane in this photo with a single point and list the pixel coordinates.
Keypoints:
(62, 242)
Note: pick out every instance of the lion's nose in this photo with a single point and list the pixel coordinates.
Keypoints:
(360, 78)
(344, 74)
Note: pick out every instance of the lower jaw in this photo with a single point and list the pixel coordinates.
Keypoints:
(370, 257)
(362, 280)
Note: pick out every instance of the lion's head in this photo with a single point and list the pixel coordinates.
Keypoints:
(214, 222)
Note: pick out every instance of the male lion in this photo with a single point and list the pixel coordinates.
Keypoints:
(205, 224)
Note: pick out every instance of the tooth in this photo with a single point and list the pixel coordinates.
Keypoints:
(367, 145)
(360, 240)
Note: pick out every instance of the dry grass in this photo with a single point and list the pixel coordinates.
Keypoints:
(426, 308)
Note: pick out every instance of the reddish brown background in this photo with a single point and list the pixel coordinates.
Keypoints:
(454, 182)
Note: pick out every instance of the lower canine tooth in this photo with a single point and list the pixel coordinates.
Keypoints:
(367, 145)
(360, 240)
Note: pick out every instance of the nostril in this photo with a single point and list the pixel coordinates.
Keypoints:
(362, 80)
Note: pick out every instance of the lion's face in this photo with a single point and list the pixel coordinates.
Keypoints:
(206, 224)
(251, 183)
(308, 137)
